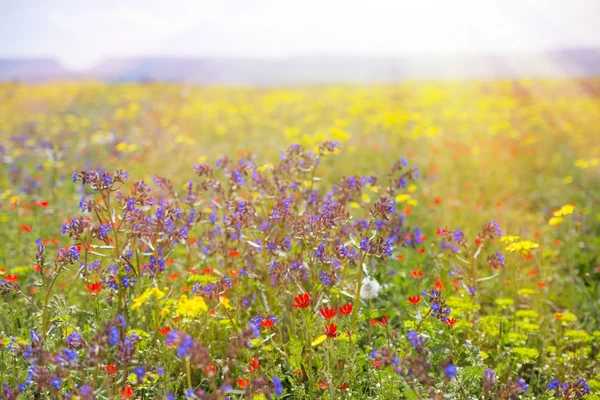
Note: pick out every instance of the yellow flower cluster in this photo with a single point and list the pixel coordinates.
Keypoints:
(557, 216)
(190, 307)
(154, 292)
(524, 247)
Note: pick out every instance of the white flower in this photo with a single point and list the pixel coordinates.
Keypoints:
(369, 289)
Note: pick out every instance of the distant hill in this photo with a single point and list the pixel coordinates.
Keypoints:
(313, 69)
(33, 70)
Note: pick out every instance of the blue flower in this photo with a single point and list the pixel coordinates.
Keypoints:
(364, 244)
(56, 383)
(450, 371)
(554, 384)
(277, 386)
(113, 336)
(523, 384)
(139, 371)
(414, 338)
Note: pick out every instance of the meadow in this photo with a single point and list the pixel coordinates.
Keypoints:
(423, 240)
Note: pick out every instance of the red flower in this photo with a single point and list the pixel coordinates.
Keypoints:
(172, 277)
(208, 271)
(344, 386)
(266, 323)
(41, 203)
(328, 313)
(383, 322)
(111, 369)
(126, 392)
(450, 321)
(376, 363)
(416, 273)
(11, 278)
(322, 385)
(243, 382)
(414, 299)
(400, 257)
(234, 253)
(254, 365)
(302, 301)
(331, 330)
(164, 330)
(94, 288)
(26, 228)
(346, 309)
(541, 284)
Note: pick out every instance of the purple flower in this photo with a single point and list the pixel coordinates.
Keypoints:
(450, 371)
(56, 383)
(113, 336)
(277, 386)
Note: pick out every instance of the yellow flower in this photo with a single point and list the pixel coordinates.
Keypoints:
(509, 239)
(524, 247)
(157, 293)
(319, 340)
(564, 210)
(190, 308)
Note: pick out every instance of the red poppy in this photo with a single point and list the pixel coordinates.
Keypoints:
(442, 231)
(41, 203)
(376, 363)
(266, 323)
(164, 330)
(374, 321)
(541, 284)
(416, 273)
(478, 242)
(254, 365)
(346, 309)
(207, 271)
(11, 278)
(94, 288)
(111, 369)
(126, 392)
(322, 385)
(407, 211)
(328, 313)
(210, 370)
(437, 201)
(234, 272)
(172, 277)
(532, 272)
(301, 301)
(344, 386)
(242, 382)
(298, 372)
(450, 321)
(331, 330)
(384, 321)
(26, 228)
(234, 253)
(414, 299)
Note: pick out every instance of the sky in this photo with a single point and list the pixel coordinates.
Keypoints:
(82, 33)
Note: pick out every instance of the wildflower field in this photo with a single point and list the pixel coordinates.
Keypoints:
(412, 241)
